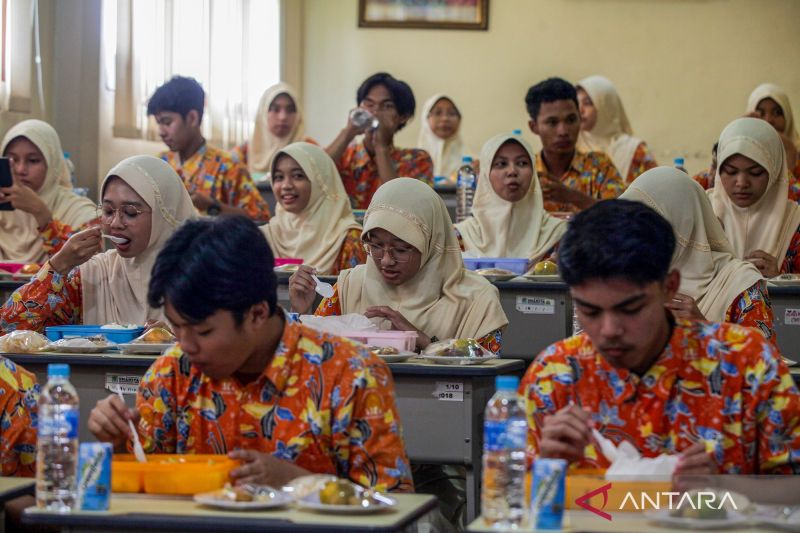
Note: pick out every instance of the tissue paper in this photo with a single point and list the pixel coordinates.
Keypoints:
(626, 462)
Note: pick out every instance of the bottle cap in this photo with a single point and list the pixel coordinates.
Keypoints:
(678, 161)
(509, 383)
(516, 132)
(466, 159)
(58, 370)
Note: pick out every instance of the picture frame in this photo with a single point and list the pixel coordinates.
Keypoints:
(424, 14)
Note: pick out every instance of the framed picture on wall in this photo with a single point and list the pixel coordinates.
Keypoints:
(425, 14)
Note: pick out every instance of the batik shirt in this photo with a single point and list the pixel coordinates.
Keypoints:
(332, 307)
(716, 383)
(591, 173)
(352, 253)
(213, 172)
(360, 172)
(791, 263)
(56, 233)
(642, 161)
(704, 178)
(48, 299)
(753, 309)
(323, 403)
(19, 397)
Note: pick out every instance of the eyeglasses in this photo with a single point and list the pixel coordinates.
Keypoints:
(128, 214)
(397, 255)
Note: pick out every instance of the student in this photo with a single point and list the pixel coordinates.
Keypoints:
(143, 202)
(416, 278)
(749, 197)
(46, 211)
(716, 286)
(217, 184)
(367, 164)
(605, 128)
(508, 216)
(771, 103)
(705, 178)
(278, 123)
(571, 180)
(282, 398)
(715, 394)
(313, 220)
(19, 399)
(439, 136)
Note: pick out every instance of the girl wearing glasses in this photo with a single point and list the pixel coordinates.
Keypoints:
(46, 211)
(313, 219)
(415, 277)
(143, 203)
(440, 136)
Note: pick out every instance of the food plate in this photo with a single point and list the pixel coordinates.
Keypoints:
(397, 357)
(80, 349)
(311, 502)
(449, 360)
(267, 498)
(542, 277)
(664, 518)
(145, 347)
(785, 279)
(499, 277)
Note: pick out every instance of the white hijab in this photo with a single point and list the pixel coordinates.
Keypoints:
(114, 287)
(612, 133)
(772, 221)
(20, 240)
(499, 228)
(770, 90)
(443, 299)
(710, 272)
(446, 153)
(263, 144)
(317, 233)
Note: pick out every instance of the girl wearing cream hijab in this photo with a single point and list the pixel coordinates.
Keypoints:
(46, 210)
(439, 136)
(750, 197)
(144, 202)
(770, 102)
(313, 220)
(715, 285)
(605, 128)
(415, 277)
(278, 123)
(508, 216)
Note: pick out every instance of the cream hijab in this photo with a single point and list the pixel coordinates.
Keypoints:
(263, 144)
(770, 223)
(442, 299)
(710, 273)
(317, 233)
(446, 153)
(498, 228)
(612, 133)
(114, 287)
(20, 240)
(770, 90)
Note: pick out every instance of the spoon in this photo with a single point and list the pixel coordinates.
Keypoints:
(138, 451)
(323, 289)
(115, 240)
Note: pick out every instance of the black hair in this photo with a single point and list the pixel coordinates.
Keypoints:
(549, 90)
(212, 264)
(178, 95)
(402, 95)
(616, 239)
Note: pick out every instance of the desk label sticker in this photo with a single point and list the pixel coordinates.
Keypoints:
(127, 384)
(792, 317)
(535, 305)
(449, 391)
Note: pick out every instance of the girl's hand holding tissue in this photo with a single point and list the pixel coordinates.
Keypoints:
(566, 434)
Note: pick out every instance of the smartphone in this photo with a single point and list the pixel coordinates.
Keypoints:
(6, 180)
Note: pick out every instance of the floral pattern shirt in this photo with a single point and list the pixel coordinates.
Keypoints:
(19, 398)
(704, 178)
(352, 253)
(213, 172)
(56, 233)
(331, 307)
(360, 172)
(323, 402)
(48, 299)
(591, 173)
(753, 309)
(716, 383)
(642, 161)
(791, 263)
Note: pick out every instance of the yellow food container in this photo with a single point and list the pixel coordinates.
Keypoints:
(171, 474)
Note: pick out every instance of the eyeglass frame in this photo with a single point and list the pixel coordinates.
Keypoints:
(368, 247)
(126, 221)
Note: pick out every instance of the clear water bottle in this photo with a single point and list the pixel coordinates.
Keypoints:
(678, 163)
(465, 189)
(57, 445)
(361, 118)
(504, 437)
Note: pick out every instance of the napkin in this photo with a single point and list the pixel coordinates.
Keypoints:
(339, 324)
(626, 461)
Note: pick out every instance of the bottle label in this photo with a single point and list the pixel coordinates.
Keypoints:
(63, 423)
(508, 435)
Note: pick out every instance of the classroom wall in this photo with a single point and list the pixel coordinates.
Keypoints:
(684, 68)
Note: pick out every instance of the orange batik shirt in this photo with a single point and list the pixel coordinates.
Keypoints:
(717, 383)
(591, 173)
(324, 403)
(19, 398)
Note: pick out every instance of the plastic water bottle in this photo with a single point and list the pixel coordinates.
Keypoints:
(504, 437)
(678, 163)
(57, 446)
(465, 189)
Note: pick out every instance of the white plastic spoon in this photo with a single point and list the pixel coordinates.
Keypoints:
(323, 289)
(116, 240)
(138, 451)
